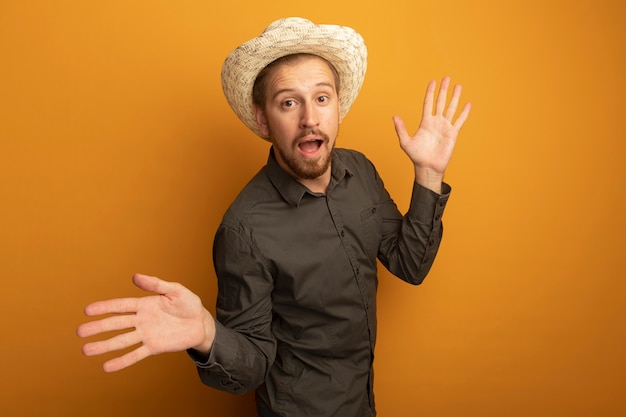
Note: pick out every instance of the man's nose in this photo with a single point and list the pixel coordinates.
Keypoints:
(310, 115)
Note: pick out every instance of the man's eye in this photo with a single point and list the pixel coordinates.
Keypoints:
(322, 99)
(289, 103)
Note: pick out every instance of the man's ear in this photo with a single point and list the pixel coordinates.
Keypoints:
(261, 120)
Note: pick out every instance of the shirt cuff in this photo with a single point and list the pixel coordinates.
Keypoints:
(427, 206)
(202, 360)
(222, 353)
(212, 372)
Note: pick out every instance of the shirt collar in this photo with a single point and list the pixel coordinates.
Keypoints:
(291, 190)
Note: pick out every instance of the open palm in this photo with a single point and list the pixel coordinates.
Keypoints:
(172, 320)
(431, 147)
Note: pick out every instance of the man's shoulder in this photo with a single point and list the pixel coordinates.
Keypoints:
(258, 189)
(353, 159)
(345, 153)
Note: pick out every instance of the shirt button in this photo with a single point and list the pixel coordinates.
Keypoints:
(437, 217)
(342, 233)
(373, 209)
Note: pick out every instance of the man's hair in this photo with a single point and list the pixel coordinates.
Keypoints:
(260, 83)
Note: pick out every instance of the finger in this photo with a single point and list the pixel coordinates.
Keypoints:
(126, 360)
(460, 121)
(129, 305)
(429, 99)
(108, 324)
(116, 305)
(443, 96)
(119, 342)
(454, 102)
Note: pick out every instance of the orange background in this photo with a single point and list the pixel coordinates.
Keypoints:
(119, 154)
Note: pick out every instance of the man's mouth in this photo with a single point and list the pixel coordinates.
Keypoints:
(310, 146)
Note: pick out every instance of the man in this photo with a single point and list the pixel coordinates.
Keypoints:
(296, 253)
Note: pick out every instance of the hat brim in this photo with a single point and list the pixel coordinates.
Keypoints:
(342, 46)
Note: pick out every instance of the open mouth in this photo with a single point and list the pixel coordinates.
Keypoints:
(310, 146)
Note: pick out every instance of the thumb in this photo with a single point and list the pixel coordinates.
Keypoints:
(153, 284)
(400, 127)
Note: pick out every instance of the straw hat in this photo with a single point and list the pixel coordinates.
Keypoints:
(343, 47)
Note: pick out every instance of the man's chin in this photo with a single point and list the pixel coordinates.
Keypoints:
(310, 169)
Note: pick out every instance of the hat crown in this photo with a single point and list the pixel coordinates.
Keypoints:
(288, 22)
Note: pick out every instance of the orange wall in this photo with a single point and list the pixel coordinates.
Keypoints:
(119, 154)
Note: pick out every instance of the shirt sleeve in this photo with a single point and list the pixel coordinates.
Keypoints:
(408, 247)
(244, 348)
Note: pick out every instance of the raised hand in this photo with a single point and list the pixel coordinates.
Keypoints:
(431, 147)
(171, 321)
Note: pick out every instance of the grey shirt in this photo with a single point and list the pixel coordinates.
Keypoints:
(296, 304)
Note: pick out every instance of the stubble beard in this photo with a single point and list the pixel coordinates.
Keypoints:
(308, 169)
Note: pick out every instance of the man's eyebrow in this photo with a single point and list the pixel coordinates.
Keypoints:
(281, 91)
(290, 90)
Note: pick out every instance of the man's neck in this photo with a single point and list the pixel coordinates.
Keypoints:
(319, 184)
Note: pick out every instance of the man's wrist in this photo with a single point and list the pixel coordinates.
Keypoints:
(205, 347)
(430, 179)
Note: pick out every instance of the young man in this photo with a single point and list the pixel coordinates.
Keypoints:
(296, 253)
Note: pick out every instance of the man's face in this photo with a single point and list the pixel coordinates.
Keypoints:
(301, 116)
